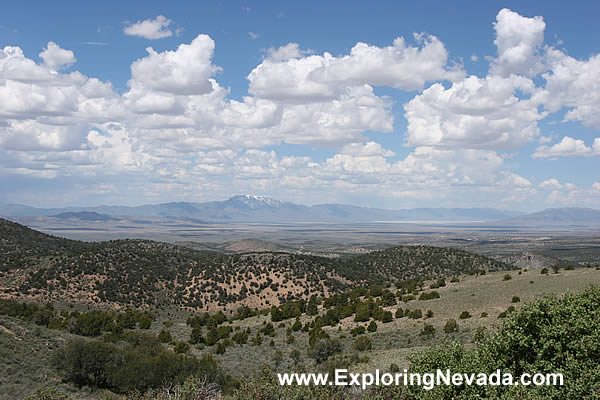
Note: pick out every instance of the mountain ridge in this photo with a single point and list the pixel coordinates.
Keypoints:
(248, 208)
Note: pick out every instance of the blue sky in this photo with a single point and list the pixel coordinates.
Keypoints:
(392, 104)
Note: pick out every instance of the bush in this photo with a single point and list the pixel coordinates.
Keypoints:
(464, 315)
(544, 271)
(451, 326)
(428, 330)
(372, 327)
(526, 343)
(362, 343)
(429, 314)
(429, 295)
(387, 317)
(164, 336)
(139, 362)
(399, 313)
(507, 277)
(415, 314)
(359, 330)
(516, 299)
(322, 349)
(181, 348)
(484, 315)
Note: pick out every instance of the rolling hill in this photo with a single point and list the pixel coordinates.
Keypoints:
(145, 274)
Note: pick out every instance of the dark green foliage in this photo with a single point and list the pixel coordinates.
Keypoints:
(544, 271)
(429, 295)
(506, 277)
(324, 348)
(551, 335)
(414, 314)
(139, 362)
(464, 315)
(428, 330)
(297, 325)
(516, 299)
(387, 317)
(359, 330)
(181, 348)
(372, 327)
(429, 314)
(451, 326)
(362, 343)
(399, 313)
(164, 336)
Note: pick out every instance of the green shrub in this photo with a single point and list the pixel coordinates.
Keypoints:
(399, 313)
(464, 315)
(372, 327)
(544, 271)
(362, 343)
(181, 348)
(429, 295)
(451, 326)
(527, 342)
(415, 314)
(516, 299)
(359, 330)
(428, 330)
(506, 277)
(164, 336)
(324, 348)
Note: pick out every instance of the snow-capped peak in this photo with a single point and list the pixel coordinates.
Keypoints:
(256, 201)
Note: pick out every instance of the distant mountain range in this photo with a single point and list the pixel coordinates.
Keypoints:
(246, 208)
(557, 217)
(261, 209)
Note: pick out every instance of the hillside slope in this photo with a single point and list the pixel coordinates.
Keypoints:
(142, 273)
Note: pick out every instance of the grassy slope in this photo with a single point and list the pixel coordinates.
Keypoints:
(26, 349)
(394, 341)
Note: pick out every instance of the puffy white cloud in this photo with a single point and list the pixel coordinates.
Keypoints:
(596, 187)
(568, 147)
(574, 84)
(518, 40)
(482, 113)
(286, 52)
(56, 57)
(185, 71)
(399, 66)
(286, 74)
(156, 28)
(369, 149)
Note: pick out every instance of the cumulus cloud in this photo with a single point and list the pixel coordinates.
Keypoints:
(156, 28)
(177, 126)
(289, 74)
(482, 113)
(574, 84)
(568, 147)
(518, 40)
(399, 65)
(56, 57)
(184, 71)
(369, 149)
